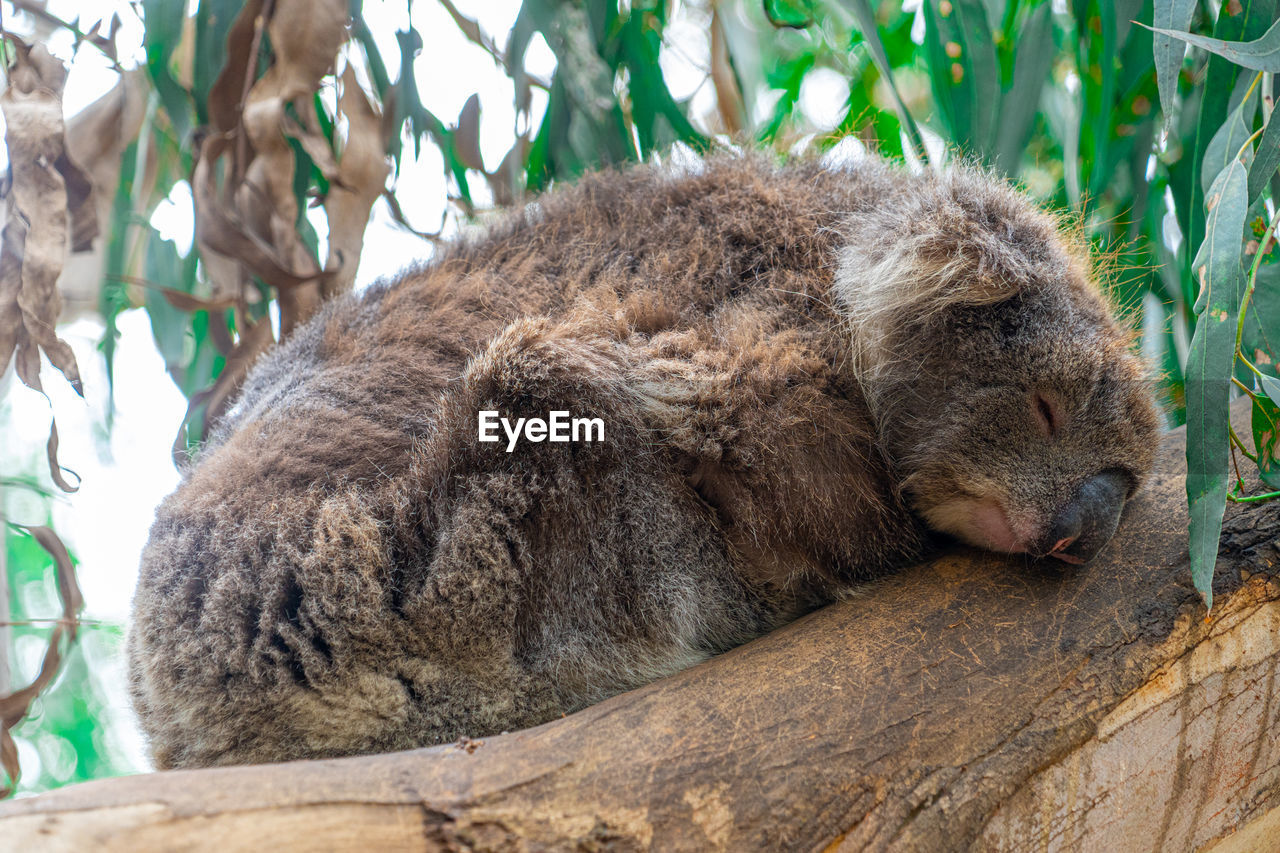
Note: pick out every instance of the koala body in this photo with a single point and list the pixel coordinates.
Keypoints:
(805, 374)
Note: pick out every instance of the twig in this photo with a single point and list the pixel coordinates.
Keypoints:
(477, 36)
(19, 623)
(398, 215)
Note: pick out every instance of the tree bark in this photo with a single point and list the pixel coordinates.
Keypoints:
(973, 702)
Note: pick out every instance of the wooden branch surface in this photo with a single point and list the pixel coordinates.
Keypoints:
(971, 702)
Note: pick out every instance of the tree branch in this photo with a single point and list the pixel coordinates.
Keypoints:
(973, 701)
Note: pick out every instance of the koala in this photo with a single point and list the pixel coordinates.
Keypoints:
(808, 375)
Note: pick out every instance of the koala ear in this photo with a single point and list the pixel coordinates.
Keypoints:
(956, 238)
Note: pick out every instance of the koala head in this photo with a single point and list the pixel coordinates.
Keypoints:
(1005, 392)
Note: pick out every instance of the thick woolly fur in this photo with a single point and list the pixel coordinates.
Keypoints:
(804, 371)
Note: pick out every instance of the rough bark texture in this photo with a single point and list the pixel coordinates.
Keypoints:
(969, 703)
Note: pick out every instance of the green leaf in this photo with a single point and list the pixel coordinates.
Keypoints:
(1271, 387)
(170, 327)
(1261, 54)
(213, 22)
(1229, 139)
(1267, 160)
(982, 74)
(1170, 15)
(1018, 110)
(1209, 366)
(164, 22)
(866, 21)
(1260, 342)
(1214, 107)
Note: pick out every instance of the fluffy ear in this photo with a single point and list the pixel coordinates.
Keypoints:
(956, 238)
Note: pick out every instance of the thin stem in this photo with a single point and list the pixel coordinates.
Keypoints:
(1248, 142)
(1249, 499)
(1244, 389)
(1235, 440)
(32, 622)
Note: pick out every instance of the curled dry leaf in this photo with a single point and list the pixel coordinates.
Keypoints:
(56, 469)
(222, 229)
(253, 217)
(49, 206)
(68, 586)
(228, 90)
(15, 706)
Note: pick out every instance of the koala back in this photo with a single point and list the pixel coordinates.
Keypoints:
(347, 569)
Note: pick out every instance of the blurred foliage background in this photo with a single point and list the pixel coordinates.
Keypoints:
(1063, 96)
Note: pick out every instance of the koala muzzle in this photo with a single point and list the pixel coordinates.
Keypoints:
(1087, 521)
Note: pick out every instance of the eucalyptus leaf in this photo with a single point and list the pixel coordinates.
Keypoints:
(1217, 267)
(978, 55)
(1230, 138)
(164, 24)
(1018, 109)
(866, 20)
(1260, 342)
(1266, 159)
(1170, 15)
(1261, 54)
(1271, 387)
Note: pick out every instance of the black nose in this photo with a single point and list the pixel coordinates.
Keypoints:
(1087, 521)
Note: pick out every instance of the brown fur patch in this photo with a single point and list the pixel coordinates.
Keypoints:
(794, 365)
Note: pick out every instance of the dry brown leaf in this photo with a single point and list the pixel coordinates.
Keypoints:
(68, 586)
(228, 90)
(466, 138)
(252, 217)
(363, 170)
(50, 203)
(36, 227)
(15, 706)
(507, 181)
(220, 228)
(56, 468)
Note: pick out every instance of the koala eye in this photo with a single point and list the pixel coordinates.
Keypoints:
(1046, 414)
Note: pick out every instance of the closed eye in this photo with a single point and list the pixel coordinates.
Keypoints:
(1046, 415)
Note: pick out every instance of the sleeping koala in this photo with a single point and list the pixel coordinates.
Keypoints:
(802, 376)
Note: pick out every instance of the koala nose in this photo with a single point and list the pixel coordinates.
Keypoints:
(1086, 523)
